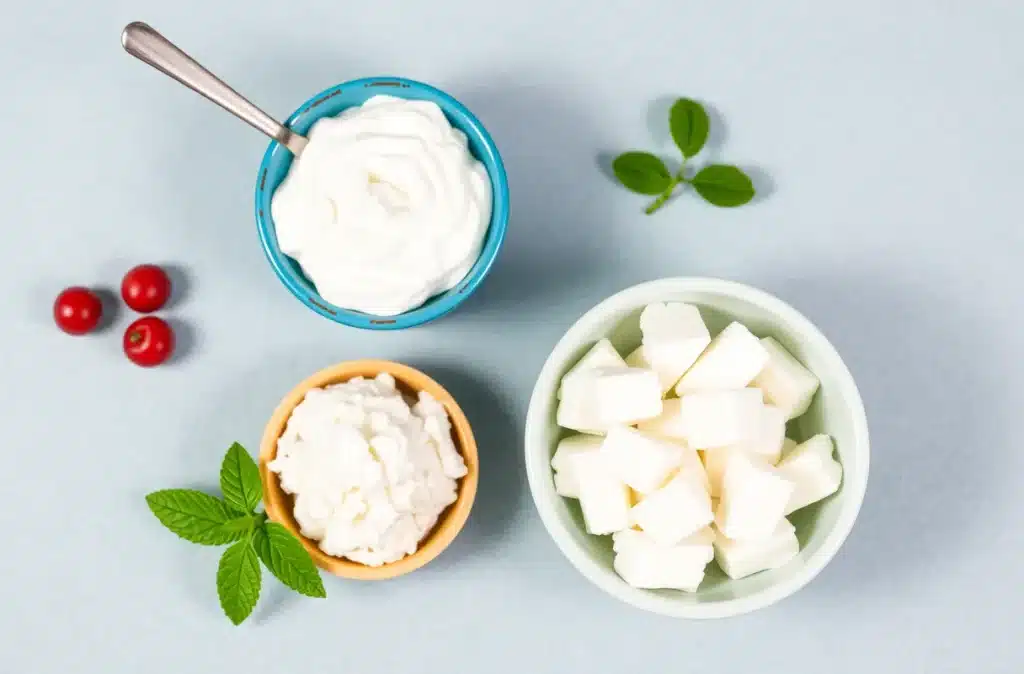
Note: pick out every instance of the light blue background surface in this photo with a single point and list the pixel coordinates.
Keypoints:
(890, 134)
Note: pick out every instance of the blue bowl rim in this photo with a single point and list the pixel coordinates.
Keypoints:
(436, 307)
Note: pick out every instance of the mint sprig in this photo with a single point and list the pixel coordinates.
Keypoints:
(238, 581)
(644, 173)
(284, 555)
(207, 520)
(197, 517)
(240, 480)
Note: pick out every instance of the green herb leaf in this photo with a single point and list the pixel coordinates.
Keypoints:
(689, 125)
(195, 516)
(241, 526)
(238, 581)
(285, 557)
(723, 185)
(642, 172)
(240, 480)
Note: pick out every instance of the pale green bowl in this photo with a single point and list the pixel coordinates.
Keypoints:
(837, 410)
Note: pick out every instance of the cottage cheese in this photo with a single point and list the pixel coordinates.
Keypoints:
(370, 473)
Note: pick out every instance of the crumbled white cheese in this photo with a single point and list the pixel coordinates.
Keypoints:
(370, 472)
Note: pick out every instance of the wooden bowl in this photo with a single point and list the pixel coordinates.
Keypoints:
(279, 504)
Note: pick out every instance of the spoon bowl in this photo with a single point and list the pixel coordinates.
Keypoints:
(288, 141)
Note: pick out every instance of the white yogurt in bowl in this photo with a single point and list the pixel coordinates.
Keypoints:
(385, 208)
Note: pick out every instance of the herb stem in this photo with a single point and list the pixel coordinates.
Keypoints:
(667, 194)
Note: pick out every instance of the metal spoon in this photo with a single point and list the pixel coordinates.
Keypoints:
(144, 43)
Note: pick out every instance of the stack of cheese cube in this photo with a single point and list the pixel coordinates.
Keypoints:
(682, 452)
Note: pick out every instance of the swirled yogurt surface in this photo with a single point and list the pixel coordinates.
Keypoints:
(385, 208)
(370, 473)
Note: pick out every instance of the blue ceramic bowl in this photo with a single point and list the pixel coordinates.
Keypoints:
(331, 102)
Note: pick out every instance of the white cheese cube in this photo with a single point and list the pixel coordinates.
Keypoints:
(667, 427)
(786, 383)
(667, 374)
(566, 462)
(577, 412)
(598, 398)
(771, 433)
(692, 468)
(767, 444)
(753, 498)
(715, 461)
(604, 499)
(740, 559)
(668, 424)
(566, 484)
(602, 354)
(732, 361)
(643, 563)
(602, 397)
(674, 336)
(642, 461)
(676, 511)
(625, 395)
(812, 470)
(720, 418)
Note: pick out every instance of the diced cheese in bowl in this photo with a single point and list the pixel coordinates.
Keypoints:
(786, 383)
(668, 424)
(572, 454)
(675, 511)
(715, 461)
(740, 559)
(721, 418)
(577, 413)
(636, 469)
(753, 497)
(666, 427)
(674, 336)
(602, 354)
(767, 444)
(598, 398)
(644, 563)
(770, 435)
(604, 499)
(666, 375)
(732, 361)
(812, 470)
(642, 461)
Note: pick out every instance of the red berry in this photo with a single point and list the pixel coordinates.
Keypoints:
(146, 288)
(77, 310)
(148, 341)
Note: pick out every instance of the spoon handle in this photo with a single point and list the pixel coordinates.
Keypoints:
(146, 44)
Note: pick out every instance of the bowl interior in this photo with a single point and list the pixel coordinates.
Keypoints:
(836, 410)
(280, 505)
(278, 160)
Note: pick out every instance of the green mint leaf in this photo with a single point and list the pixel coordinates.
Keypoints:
(240, 526)
(238, 581)
(642, 172)
(285, 557)
(723, 185)
(195, 516)
(689, 125)
(240, 480)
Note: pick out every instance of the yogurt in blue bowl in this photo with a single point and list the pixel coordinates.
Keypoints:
(395, 211)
